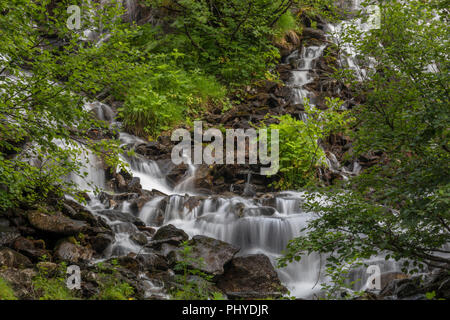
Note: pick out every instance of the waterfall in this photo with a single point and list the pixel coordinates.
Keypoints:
(255, 225)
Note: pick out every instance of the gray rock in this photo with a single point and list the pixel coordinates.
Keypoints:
(139, 238)
(12, 259)
(116, 215)
(251, 276)
(170, 232)
(7, 234)
(72, 253)
(56, 223)
(101, 241)
(208, 255)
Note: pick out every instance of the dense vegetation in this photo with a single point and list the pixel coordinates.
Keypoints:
(401, 205)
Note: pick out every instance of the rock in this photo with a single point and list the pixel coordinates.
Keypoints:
(100, 242)
(34, 249)
(120, 183)
(56, 223)
(7, 234)
(134, 185)
(170, 232)
(77, 211)
(259, 211)
(139, 238)
(51, 269)
(313, 33)
(208, 255)
(387, 277)
(12, 259)
(116, 215)
(251, 276)
(148, 230)
(416, 287)
(72, 253)
(20, 281)
(152, 262)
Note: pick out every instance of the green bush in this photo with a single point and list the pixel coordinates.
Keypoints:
(52, 288)
(300, 152)
(6, 292)
(165, 95)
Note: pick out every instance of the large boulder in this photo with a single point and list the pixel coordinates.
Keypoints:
(76, 211)
(251, 276)
(73, 253)
(170, 232)
(56, 223)
(143, 262)
(167, 235)
(207, 254)
(12, 259)
(34, 249)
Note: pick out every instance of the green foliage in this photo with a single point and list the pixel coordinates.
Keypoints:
(48, 287)
(193, 283)
(338, 288)
(115, 290)
(44, 86)
(164, 95)
(300, 151)
(111, 286)
(399, 206)
(6, 292)
(230, 39)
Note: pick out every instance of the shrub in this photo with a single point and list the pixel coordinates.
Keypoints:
(166, 95)
(300, 152)
(6, 292)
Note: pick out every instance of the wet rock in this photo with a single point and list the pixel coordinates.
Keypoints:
(116, 215)
(167, 236)
(177, 173)
(73, 253)
(170, 232)
(7, 233)
(313, 33)
(124, 227)
(56, 223)
(251, 276)
(34, 249)
(152, 262)
(134, 185)
(259, 211)
(100, 242)
(139, 238)
(77, 211)
(12, 259)
(148, 230)
(208, 255)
